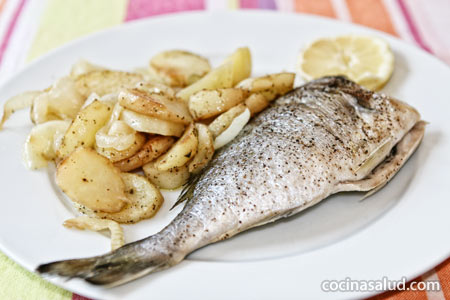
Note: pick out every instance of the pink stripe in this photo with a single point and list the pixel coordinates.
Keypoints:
(412, 27)
(264, 4)
(267, 4)
(78, 297)
(138, 9)
(249, 4)
(10, 29)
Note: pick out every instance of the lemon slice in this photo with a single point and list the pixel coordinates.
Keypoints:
(366, 60)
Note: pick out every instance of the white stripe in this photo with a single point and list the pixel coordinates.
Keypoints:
(285, 5)
(341, 9)
(432, 21)
(24, 32)
(398, 20)
(433, 295)
(216, 5)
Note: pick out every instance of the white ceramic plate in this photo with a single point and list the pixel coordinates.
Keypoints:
(401, 231)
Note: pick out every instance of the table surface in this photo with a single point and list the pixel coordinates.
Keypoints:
(31, 28)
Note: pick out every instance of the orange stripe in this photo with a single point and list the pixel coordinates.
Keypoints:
(443, 271)
(317, 7)
(2, 4)
(371, 13)
(401, 295)
(411, 295)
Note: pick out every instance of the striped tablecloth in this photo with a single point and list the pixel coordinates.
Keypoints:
(30, 28)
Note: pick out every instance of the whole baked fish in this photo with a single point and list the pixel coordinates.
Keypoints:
(327, 136)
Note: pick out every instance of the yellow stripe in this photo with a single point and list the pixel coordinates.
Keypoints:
(233, 4)
(63, 21)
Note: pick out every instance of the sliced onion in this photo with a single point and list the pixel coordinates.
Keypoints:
(61, 101)
(42, 143)
(115, 115)
(39, 110)
(116, 134)
(119, 136)
(120, 128)
(16, 103)
(95, 224)
(233, 130)
(118, 142)
(82, 67)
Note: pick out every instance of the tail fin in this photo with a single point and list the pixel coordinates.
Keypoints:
(112, 269)
(67, 268)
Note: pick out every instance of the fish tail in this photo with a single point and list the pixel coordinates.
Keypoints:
(67, 268)
(111, 269)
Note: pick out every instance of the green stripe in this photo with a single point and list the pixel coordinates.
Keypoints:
(18, 283)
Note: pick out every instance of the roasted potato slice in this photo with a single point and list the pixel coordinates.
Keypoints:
(151, 75)
(104, 82)
(91, 180)
(59, 102)
(242, 64)
(222, 122)
(221, 77)
(256, 103)
(153, 125)
(144, 200)
(205, 150)
(152, 149)
(233, 130)
(42, 143)
(209, 103)
(155, 105)
(181, 68)
(155, 88)
(271, 86)
(83, 129)
(181, 152)
(115, 155)
(169, 179)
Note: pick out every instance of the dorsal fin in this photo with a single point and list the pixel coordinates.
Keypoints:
(188, 190)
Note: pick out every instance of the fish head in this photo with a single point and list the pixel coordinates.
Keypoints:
(384, 121)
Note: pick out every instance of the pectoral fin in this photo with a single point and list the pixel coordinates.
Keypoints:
(386, 170)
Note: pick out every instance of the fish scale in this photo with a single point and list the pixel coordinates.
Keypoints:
(327, 136)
